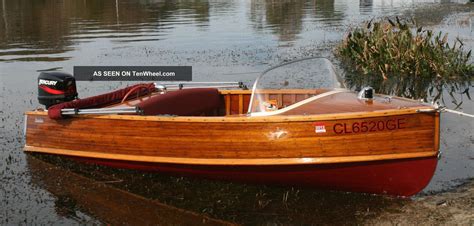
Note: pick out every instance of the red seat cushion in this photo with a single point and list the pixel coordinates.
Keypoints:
(186, 102)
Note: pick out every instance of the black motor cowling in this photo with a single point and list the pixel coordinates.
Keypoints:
(55, 88)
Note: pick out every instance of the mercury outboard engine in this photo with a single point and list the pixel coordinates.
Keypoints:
(55, 88)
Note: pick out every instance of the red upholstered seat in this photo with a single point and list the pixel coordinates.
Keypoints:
(186, 102)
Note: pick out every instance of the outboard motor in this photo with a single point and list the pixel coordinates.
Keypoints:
(55, 88)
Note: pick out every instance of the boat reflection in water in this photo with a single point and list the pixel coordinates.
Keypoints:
(76, 193)
(133, 197)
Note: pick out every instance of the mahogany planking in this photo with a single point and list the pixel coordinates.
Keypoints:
(386, 128)
(230, 140)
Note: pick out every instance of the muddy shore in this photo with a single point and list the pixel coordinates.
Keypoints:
(452, 207)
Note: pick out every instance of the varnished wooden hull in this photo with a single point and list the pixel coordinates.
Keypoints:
(284, 150)
(385, 147)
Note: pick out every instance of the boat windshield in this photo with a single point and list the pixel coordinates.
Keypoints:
(291, 82)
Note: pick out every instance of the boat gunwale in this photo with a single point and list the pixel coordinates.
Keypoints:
(246, 118)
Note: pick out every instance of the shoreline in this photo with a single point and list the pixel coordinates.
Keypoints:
(449, 207)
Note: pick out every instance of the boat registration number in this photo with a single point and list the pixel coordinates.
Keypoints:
(369, 126)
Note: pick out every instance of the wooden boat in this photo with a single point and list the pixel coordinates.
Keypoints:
(323, 138)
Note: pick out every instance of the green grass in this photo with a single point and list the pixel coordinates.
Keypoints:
(399, 58)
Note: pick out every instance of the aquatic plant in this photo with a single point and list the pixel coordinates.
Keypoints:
(400, 58)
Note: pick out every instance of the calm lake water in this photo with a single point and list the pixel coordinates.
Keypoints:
(227, 40)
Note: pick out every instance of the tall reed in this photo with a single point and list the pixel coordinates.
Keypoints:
(399, 58)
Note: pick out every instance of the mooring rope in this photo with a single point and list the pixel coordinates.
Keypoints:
(437, 108)
(455, 112)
